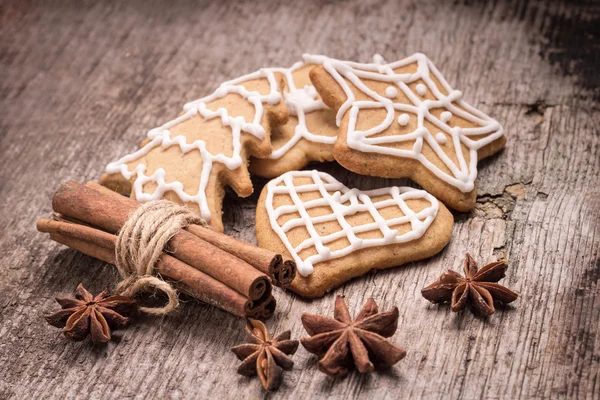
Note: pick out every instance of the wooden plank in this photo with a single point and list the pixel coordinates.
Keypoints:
(83, 82)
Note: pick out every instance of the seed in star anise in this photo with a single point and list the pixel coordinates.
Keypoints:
(478, 289)
(265, 356)
(341, 342)
(86, 314)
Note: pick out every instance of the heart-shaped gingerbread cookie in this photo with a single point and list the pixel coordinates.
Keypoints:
(335, 233)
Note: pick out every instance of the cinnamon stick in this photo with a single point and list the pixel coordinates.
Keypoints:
(101, 245)
(281, 272)
(101, 210)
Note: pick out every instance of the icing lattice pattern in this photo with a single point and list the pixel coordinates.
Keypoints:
(161, 137)
(357, 201)
(487, 130)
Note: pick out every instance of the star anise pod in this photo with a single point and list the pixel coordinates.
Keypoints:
(265, 356)
(86, 314)
(340, 342)
(479, 288)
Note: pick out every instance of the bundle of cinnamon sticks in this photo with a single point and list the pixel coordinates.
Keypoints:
(215, 268)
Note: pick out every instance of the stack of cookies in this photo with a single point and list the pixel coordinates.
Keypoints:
(394, 120)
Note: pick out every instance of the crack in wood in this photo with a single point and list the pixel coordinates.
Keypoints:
(491, 206)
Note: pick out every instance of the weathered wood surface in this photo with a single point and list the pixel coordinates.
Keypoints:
(83, 81)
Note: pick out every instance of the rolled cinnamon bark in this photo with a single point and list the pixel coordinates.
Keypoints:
(82, 246)
(98, 209)
(101, 245)
(281, 272)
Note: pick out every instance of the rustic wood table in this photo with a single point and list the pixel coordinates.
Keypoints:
(83, 81)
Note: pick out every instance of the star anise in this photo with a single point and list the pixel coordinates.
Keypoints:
(265, 356)
(86, 314)
(340, 342)
(479, 288)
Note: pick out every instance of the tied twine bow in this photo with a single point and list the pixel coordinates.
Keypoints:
(140, 244)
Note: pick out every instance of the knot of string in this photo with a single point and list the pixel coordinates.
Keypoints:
(140, 244)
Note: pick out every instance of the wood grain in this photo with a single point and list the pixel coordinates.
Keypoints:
(83, 81)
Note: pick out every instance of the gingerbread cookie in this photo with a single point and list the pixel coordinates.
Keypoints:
(308, 135)
(403, 119)
(192, 158)
(335, 233)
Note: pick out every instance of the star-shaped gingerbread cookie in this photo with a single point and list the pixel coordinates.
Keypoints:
(403, 119)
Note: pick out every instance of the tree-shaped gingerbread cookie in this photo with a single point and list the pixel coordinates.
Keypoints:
(192, 158)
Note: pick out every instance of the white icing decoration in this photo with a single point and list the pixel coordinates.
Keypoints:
(403, 119)
(421, 89)
(378, 59)
(161, 136)
(441, 138)
(359, 202)
(461, 176)
(303, 100)
(300, 101)
(391, 92)
(446, 116)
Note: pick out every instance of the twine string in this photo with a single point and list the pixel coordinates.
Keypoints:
(140, 244)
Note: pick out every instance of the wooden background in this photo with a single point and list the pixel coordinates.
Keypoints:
(83, 81)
